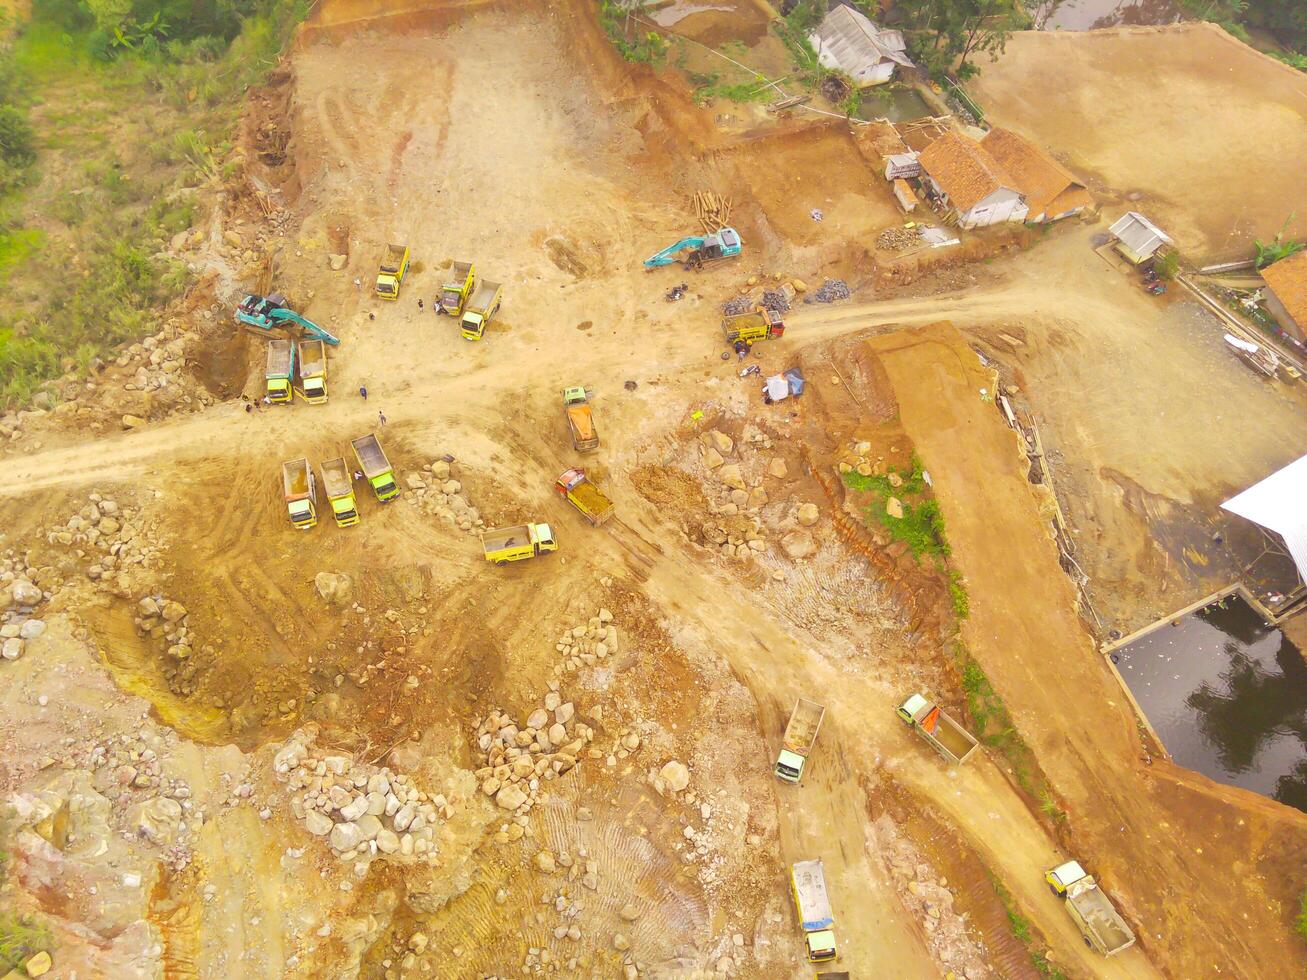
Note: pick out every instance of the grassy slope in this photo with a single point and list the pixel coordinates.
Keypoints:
(124, 148)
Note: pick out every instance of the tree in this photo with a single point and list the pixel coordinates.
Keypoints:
(954, 32)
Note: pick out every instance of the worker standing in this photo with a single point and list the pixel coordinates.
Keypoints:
(363, 392)
(381, 417)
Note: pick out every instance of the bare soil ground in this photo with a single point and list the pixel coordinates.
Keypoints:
(1188, 125)
(511, 136)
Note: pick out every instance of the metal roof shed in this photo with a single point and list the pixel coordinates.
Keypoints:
(1137, 238)
(848, 41)
(1279, 505)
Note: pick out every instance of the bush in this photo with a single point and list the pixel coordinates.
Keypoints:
(17, 138)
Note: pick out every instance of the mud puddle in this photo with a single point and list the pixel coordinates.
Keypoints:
(897, 103)
(1227, 694)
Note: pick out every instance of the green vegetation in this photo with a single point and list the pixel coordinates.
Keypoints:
(619, 19)
(1300, 921)
(709, 87)
(946, 35)
(1167, 265)
(957, 590)
(1286, 20)
(921, 527)
(1278, 248)
(20, 936)
(131, 104)
(1023, 932)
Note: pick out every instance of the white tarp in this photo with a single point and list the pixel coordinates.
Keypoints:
(1279, 504)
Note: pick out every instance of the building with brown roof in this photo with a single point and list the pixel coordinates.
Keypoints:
(1051, 191)
(966, 177)
(1286, 294)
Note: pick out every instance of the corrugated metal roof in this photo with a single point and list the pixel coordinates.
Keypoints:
(1139, 234)
(855, 44)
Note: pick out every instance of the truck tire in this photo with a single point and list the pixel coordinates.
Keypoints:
(1054, 890)
(502, 562)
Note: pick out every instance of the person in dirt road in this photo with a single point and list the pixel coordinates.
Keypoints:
(363, 392)
(381, 417)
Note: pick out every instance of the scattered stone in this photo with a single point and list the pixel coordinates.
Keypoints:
(798, 544)
(317, 823)
(629, 912)
(675, 776)
(24, 593)
(621, 943)
(132, 421)
(334, 587)
(778, 469)
(336, 261)
(544, 861)
(720, 441)
(808, 514)
(731, 476)
(346, 836)
(12, 648)
(894, 507)
(39, 965)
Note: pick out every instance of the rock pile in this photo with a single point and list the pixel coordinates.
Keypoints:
(365, 812)
(587, 644)
(164, 620)
(778, 300)
(520, 758)
(737, 531)
(737, 305)
(18, 599)
(114, 532)
(897, 238)
(437, 492)
(830, 291)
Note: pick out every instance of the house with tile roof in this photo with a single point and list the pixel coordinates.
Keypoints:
(963, 174)
(1286, 294)
(1051, 191)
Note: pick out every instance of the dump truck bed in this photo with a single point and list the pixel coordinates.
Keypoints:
(279, 358)
(313, 357)
(458, 274)
(809, 881)
(1098, 913)
(483, 297)
(590, 498)
(371, 456)
(952, 736)
(336, 477)
(582, 421)
(805, 720)
(505, 537)
(391, 261)
(295, 478)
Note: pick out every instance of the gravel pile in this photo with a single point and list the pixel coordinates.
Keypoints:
(737, 305)
(893, 239)
(830, 291)
(776, 301)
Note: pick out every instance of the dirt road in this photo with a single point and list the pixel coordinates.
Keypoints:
(515, 138)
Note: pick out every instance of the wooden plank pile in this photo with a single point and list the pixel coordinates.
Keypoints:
(713, 210)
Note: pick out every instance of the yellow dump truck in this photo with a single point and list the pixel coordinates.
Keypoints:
(758, 324)
(394, 266)
(280, 372)
(313, 371)
(580, 420)
(301, 493)
(454, 293)
(577, 489)
(376, 467)
(506, 544)
(339, 487)
(480, 309)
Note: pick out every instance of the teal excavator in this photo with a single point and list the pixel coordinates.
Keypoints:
(271, 313)
(694, 251)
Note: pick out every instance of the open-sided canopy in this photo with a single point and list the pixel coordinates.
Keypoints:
(1279, 504)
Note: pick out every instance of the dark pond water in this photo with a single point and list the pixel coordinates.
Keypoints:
(1228, 697)
(897, 103)
(1088, 15)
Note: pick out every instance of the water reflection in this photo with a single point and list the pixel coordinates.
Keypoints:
(1089, 15)
(1228, 696)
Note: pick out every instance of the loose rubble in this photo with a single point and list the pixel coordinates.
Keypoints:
(437, 491)
(364, 812)
(830, 291)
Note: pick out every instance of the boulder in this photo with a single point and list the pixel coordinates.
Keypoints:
(147, 607)
(31, 629)
(346, 836)
(721, 442)
(894, 479)
(564, 713)
(544, 861)
(317, 823)
(440, 470)
(334, 587)
(894, 507)
(731, 476)
(173, 612)
(557, 734)
(156, 820)
(336, 261)
(712, 458)
(39, 965)
(387, 841)
(24, 593)
(132, 421)
(675, 776)
(778, 469)
(12, 648)
(538, 719)
(798, 544)
(808, 514)
(355, 808)
(414, 481)
(510, 797)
